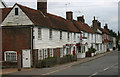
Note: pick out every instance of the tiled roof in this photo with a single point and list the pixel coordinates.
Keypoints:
(61, 23)
(3, 13)
(104, 30)
(101, 29)
(36, 17)
(83, 26)
(50, 20)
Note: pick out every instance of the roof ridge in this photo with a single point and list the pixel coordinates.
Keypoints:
(25, 6)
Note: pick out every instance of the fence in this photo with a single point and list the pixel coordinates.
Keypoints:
(54, 61)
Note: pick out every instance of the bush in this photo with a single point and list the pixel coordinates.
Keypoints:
(91, 50)
(49, 58)
(48, 62)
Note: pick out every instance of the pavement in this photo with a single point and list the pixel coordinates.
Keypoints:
(56, 68)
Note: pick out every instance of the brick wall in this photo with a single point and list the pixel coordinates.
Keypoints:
(16, 39)
(56, 52)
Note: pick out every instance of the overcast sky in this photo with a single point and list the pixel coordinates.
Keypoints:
(106, 11)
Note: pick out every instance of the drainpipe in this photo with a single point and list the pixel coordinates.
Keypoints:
(31, 45)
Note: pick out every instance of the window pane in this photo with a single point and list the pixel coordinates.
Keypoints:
(50, 33)
(16, 11)
(39, 33)
(10, 56)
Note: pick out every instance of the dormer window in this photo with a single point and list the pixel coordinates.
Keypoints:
(16, 11)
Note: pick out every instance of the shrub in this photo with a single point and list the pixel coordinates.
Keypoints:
(91, 50)
(49, 58)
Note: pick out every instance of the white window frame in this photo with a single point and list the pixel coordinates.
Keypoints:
(61, 52)
(60, 35)
(83, 34)
(39, 33)
(51, 52)
(16, 10)
(45, 53)
(88, 35)
(68, 36)
(40, 54)
(50, 34)
(9, 52)
(74, 36)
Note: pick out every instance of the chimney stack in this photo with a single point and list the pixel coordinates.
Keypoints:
(69, 15)
(106, 26)
(42, 6)
(96, 23)
(81, 19)
(94, 17)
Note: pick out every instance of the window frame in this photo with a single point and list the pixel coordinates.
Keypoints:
(51, 51)
(45, 53)
(50, 34)
(61, 52)
(5, 56)
(16, 11)
(68, 36)
(40, 56)
(74, 36)
(60, 35)
(39, 34)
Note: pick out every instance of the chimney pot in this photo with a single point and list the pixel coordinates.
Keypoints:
(69, 15)
(81, 19)
(106, 26)
(42, 6)
(94, 17)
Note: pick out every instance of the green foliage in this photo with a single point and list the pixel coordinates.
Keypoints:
(50, 58)
(91, 49)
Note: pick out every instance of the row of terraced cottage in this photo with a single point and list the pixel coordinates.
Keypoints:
(37, 35)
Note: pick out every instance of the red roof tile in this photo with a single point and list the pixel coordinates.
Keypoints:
(4, 12)
(50, 20)
(39, 19)
(104, 30)
(61, 23)
(83, 26)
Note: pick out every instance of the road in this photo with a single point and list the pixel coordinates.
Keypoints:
(106, 66)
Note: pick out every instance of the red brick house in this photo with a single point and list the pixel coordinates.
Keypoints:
(15, 40)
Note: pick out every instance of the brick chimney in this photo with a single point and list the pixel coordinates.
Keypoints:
(96, 23)
(106, 26)
(81, 19)
(94, 17)
(42, 6)
(69, 15)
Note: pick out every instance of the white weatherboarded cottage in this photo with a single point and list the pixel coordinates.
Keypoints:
(49, 39)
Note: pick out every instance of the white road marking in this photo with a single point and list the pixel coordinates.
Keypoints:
(106, 69)
(93, 74)
(103, 70)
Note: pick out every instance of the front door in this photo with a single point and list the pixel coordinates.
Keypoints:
(26, 59)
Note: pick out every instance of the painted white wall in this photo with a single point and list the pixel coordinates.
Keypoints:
(114, 42)
(55, 42)
(13, 20)
(98, 38)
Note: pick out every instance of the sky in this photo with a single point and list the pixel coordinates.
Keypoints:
(106, 11)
